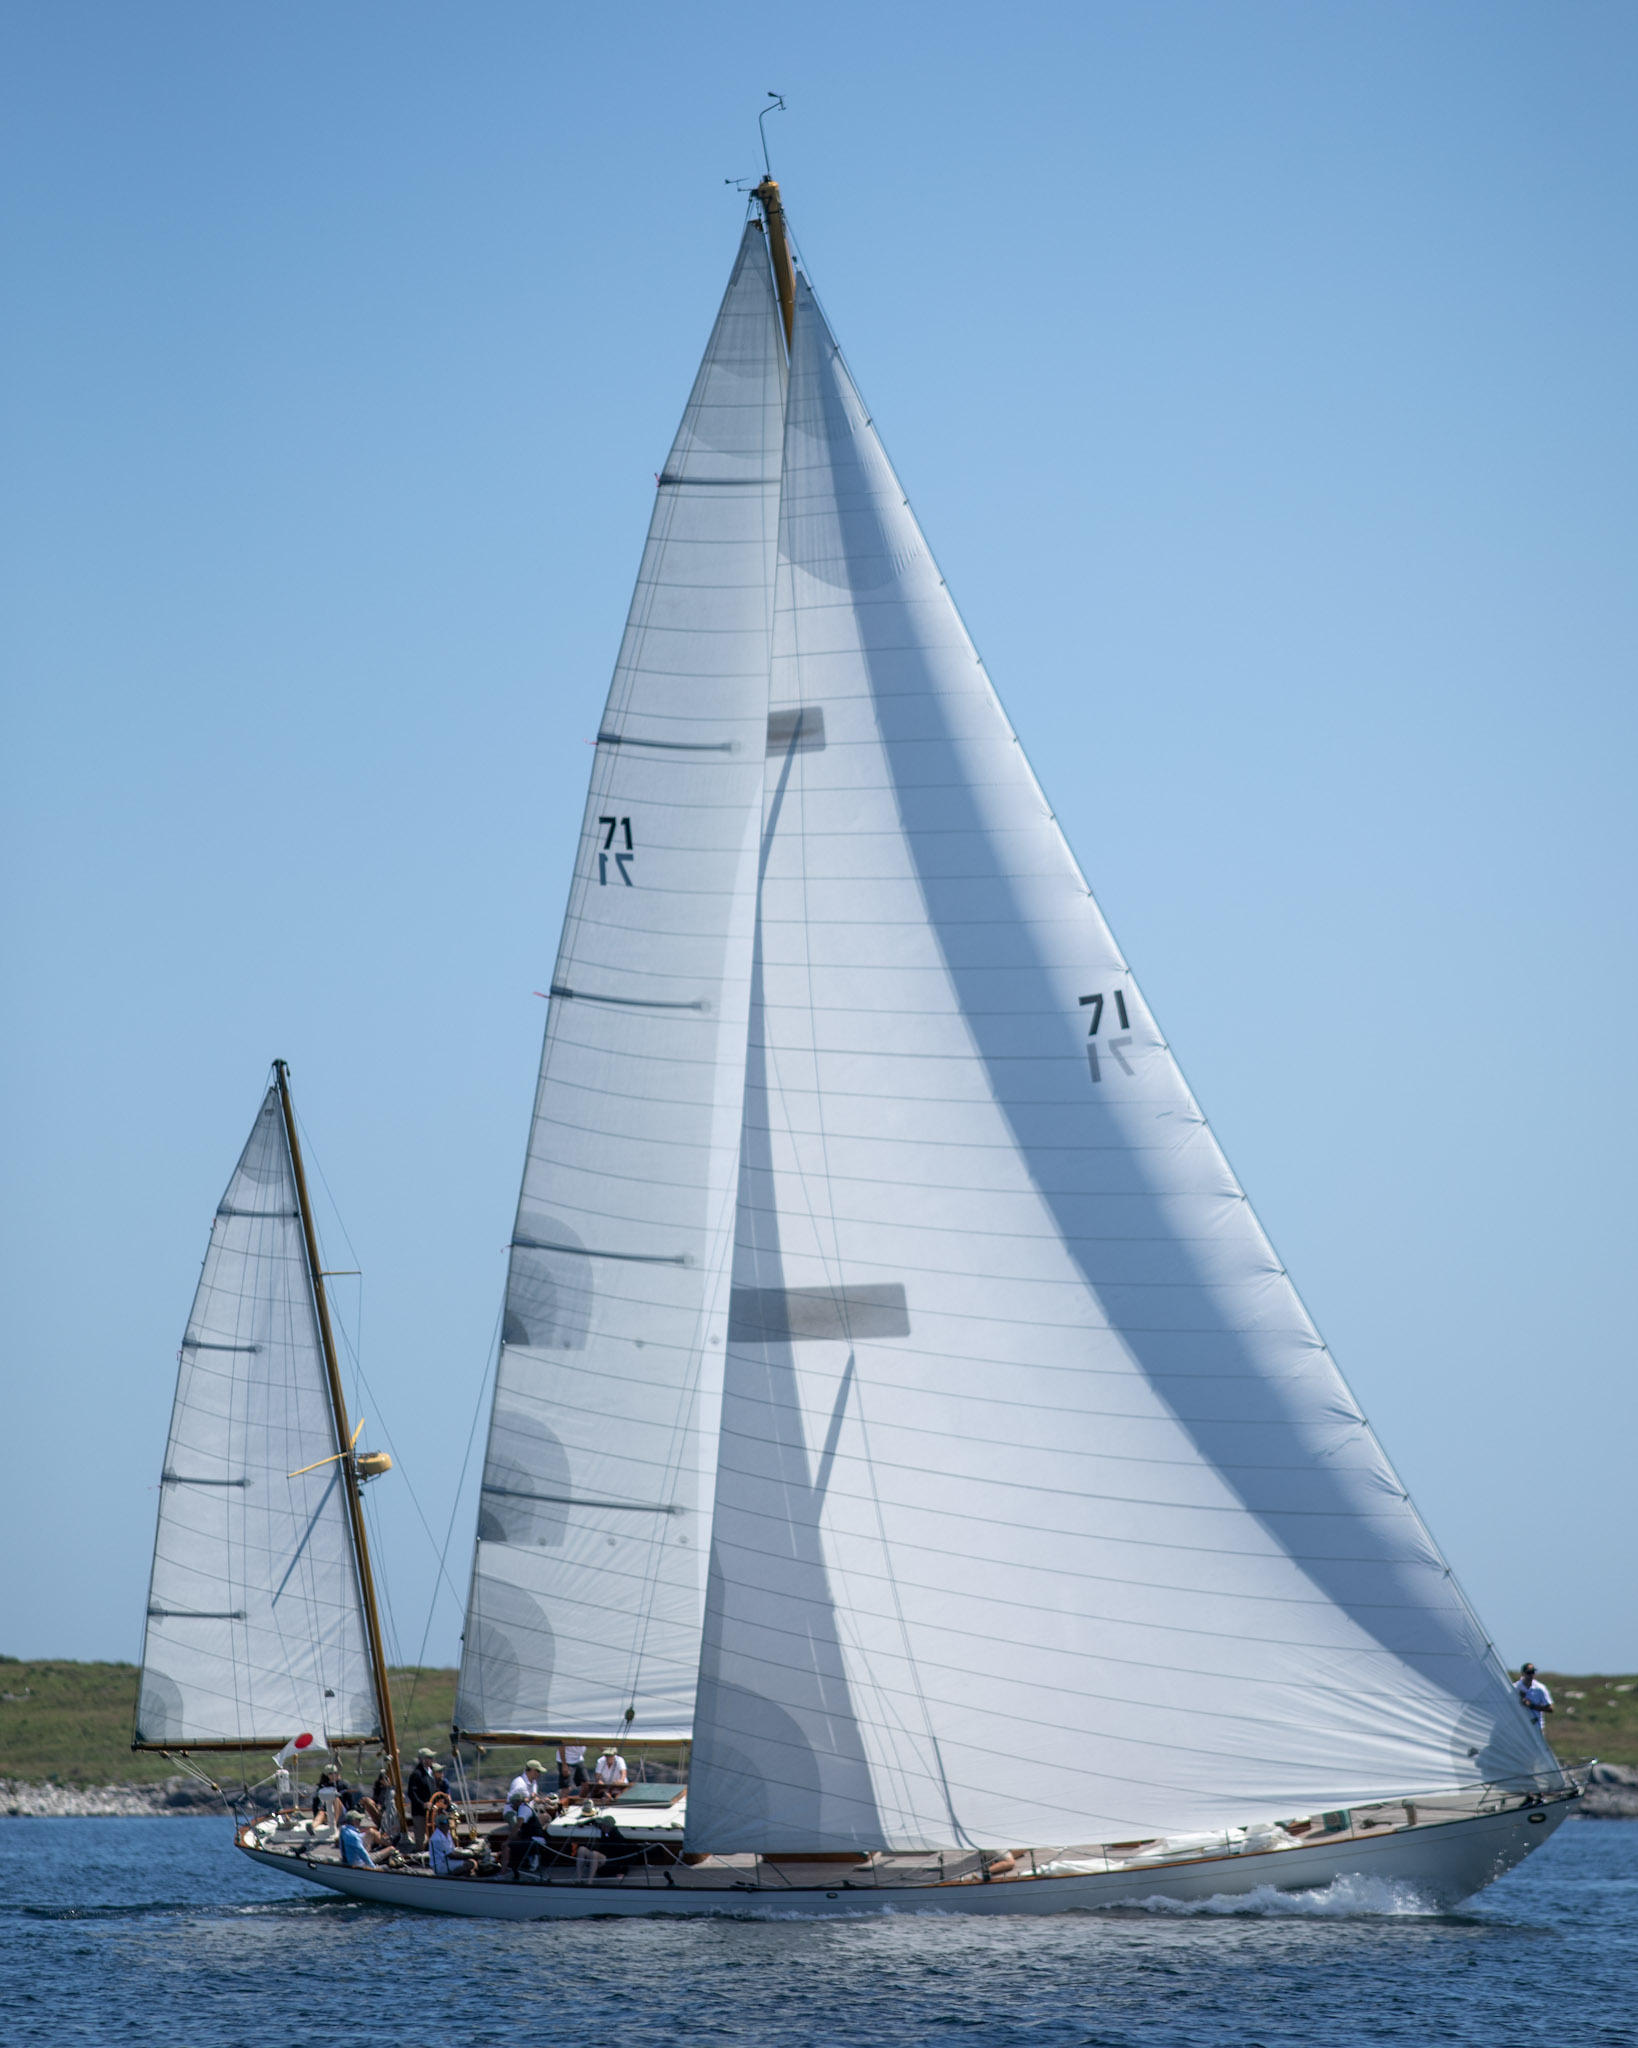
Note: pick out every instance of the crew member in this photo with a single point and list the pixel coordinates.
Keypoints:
(327, 1800)
(419, 1789)
(1534, 1697)
(355, 1848)
(381, 1793)
(526, 1830)
(526, 1785)
(445, 1858)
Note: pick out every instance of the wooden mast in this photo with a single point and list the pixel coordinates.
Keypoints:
(344, 1446)
(766, 196)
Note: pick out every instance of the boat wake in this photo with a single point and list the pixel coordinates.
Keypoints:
(191, 1909)
(1344, 1898)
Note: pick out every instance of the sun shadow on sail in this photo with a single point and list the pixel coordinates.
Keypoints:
(779, 1762)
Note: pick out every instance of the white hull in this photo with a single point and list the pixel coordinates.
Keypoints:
(1440, 1864)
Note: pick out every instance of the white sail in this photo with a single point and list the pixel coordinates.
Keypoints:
(1043, 1514)
(255, 1626)
(593, 1534)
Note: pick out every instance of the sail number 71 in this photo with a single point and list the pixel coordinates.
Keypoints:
(621, 859)
(1115, 1047)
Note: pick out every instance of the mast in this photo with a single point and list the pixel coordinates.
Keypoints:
(766, 196)
(344, 1447)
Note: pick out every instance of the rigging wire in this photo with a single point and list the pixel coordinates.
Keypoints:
(365, 1392)
(490, 1359)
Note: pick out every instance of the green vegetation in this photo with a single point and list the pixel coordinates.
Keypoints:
(71, 1723)
(1596, 1716)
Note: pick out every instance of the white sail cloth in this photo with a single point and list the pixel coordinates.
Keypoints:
(593, 1534)
(255, 1625)
(1043, 1514)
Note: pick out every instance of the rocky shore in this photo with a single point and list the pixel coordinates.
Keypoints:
(1612, 1793)
(119, 1802)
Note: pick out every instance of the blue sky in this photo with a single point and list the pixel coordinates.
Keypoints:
(1262, 376)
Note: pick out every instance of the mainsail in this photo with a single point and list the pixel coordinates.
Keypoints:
(863, 1179)
(1043, 1514)
(255, 1628)
(588, 1581)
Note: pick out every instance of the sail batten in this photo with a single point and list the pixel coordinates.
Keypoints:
(588, 1576)
(255, 1623)
(1090, 1539)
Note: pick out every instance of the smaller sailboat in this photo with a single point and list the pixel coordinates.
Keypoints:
(263, 1631)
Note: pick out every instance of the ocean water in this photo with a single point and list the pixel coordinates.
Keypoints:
(158, 1930)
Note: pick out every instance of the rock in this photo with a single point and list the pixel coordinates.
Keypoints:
(1612, 1793)
(120, 1802)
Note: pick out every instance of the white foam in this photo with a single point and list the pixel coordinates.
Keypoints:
(1344, 1898)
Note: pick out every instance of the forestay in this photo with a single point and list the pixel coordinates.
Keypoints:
(255, 1627)
(588, 1580)
(1043, 1514)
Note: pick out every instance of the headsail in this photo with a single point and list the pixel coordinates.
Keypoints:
(588, 1580)
(1043, 1514)
(256, 1627)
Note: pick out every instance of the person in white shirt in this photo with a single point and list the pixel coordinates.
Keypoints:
(327, 1800)
(571, 1765)
(525, 1787)
(1534, 1697)
(611, 1772)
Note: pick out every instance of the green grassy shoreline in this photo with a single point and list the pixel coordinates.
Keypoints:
(70, 1724)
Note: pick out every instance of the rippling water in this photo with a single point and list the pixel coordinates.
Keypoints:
(138, 1930)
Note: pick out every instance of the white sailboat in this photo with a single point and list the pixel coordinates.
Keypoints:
(900, 1405)
(262, 1622)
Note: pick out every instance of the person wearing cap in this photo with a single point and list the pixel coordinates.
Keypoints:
(442, 1854)
(355, 1849)
(419, 1789)
(526, 1831)
(611, 1773)
(526, 1787)
(1534, 1697)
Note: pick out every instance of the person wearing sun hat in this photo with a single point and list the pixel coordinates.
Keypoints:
(611, 1773)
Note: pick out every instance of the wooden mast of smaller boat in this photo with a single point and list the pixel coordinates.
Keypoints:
(344, 1447)
(766, 196)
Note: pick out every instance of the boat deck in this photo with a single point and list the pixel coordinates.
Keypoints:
(638, 1850)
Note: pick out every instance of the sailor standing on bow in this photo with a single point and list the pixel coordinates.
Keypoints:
(1534, 1697)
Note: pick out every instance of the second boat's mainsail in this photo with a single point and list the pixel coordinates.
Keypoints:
(1042, 1513)
(257, 1625)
